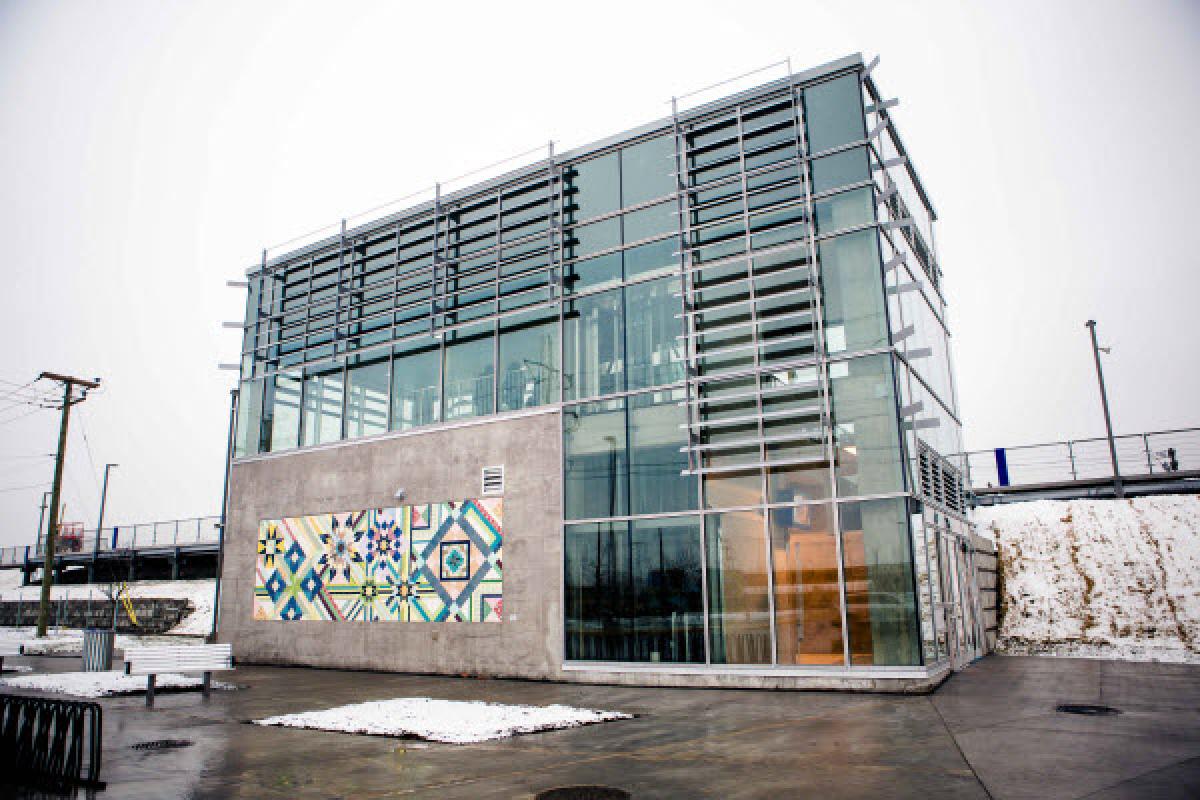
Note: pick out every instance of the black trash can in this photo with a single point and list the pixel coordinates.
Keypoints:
(98, 649)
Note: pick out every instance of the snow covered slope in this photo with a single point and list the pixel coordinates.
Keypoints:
(1099, 578)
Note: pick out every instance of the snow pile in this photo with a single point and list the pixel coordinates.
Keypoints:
(198, 593)
(1099, 578)
(450, 721)
(105, 684)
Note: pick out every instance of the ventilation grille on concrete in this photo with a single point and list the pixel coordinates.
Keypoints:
(940, 483)
(493, 481)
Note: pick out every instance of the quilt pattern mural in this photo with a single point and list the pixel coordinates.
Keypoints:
(441, 562)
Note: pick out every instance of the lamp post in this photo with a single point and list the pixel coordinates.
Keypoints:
(103, 497)
(1118, 488)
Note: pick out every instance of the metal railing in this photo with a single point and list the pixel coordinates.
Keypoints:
(1149, 453)
(148, 535)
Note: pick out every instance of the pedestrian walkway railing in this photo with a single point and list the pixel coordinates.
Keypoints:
(144, 536)
(1150, 453)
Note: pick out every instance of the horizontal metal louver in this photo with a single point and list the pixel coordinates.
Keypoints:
(493, 481)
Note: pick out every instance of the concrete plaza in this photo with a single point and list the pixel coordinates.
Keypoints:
(990, 731)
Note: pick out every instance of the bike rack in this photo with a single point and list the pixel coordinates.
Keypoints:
(52, 741)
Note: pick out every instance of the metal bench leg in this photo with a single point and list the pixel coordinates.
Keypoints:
(207, 684)
(149, 690)
(1, 664)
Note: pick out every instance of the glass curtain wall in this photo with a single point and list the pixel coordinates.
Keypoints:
(746, 362)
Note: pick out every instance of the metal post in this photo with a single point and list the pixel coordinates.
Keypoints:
(1118, 488)
(1149, 455)
(1071, 454)
(103, 497)
(41, 520)
(233, 409)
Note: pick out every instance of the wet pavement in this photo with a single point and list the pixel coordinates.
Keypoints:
(990, 731)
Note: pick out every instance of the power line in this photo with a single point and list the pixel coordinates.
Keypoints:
(20, 488)
(20, 416)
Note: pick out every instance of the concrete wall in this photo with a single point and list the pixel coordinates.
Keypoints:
(431, 467)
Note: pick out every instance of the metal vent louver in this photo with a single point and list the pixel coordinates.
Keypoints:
(493, 481)
(940, 483)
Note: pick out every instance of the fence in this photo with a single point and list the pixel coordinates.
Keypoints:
(1150, 453)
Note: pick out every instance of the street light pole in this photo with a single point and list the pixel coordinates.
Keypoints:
(41, 519)
(1118, 487)
(103, 497)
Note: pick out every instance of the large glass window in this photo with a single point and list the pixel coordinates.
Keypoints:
(808, 605)
(833, 113)
(739, 618)
(866, 431)
(596, 468)
(655, 461)
(529, 359)
(840, 169)
(284, 432)
(323, 390)
(415, 393)
(647, 170)
(633, 591)
(852, 281)
(654, 348)
(845, 210)
(366, 396)
(249, 413)
(881, 611)
(593, 349)
(593, 187)
(470, 367)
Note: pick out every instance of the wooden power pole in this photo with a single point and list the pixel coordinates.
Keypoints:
(48, 549)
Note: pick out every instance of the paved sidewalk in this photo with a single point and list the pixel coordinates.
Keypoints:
(990, 731)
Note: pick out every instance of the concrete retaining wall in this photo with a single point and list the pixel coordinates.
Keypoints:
(154, 615)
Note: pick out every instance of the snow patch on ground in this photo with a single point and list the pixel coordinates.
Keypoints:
(105, 684)
(17, 667)
(1099, 578)
(449, 721)
(198, 593)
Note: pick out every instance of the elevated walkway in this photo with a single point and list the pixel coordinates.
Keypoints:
(127, 552)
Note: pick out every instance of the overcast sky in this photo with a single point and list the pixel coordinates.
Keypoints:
(150, 150)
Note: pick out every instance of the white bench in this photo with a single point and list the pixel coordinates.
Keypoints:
(10, 649)
(150, 661)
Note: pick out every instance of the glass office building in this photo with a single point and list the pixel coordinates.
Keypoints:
(736, 317)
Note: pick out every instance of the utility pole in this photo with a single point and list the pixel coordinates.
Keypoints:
(1118, 487)
(103, 497)
(69, 383)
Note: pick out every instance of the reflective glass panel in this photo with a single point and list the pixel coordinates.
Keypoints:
(415, 395)
(852, 280)
(284, 432)
(738, 606)
(470, 367)
(249, 399)
(840, 169)
(596, 468)
(845, 210)
(653, 346)
(647, 170)
(866, 431)
(593, 345)
(650, 222)
(833, 113)
(367, 397)
(655, 461)
(529, 360)
(808, 605)
(323, 392)
(593, 188)
(881, 610)
(632, 591)
(651, 258)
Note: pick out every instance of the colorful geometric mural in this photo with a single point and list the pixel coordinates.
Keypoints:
(440, 562)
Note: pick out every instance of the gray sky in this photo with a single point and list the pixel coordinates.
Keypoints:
(149, 150)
